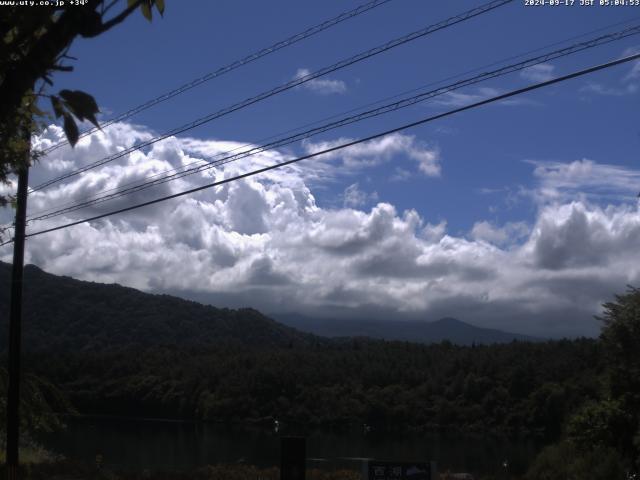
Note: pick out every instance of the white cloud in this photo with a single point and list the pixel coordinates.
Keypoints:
(323, 86)
(509, 234)
(541, 72)
(400, 174)
(461, 99)
(353, 196)
(579, 236)
(628, 85)
(378, 151)
(585, 178)
(264, 242)
(634, 73)
(617, 91)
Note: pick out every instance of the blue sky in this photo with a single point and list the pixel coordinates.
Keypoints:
(483, 149)
(521, 182)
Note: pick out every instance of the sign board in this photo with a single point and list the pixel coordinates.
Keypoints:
(377, 470)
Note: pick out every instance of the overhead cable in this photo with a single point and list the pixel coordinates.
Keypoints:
(480, 103)
(286, 86)
(387, 108)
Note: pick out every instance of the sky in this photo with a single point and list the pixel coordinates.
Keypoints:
(521, 215)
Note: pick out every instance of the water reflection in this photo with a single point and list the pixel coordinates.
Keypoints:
(146, 444)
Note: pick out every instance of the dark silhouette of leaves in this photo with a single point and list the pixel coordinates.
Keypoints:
(70, 128)
(81, 104)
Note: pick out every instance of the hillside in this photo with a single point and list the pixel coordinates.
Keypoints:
(119, 351)
(64, 314)
(451, 329)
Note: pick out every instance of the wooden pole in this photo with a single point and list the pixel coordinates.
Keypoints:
(15, 324)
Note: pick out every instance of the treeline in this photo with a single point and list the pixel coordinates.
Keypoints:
(517, 387)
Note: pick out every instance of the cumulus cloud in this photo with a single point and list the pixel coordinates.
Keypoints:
(508, 234)
(576, 236)
(323, 86)
(264, 242)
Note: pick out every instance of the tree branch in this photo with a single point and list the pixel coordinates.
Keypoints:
(43, 54)
(121, 17)
(108, 7)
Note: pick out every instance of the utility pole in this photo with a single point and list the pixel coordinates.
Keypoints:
(15, 318)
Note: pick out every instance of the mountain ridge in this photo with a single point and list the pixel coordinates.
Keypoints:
(444, 329)
(62, 313)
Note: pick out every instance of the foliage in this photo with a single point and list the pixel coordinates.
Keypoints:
(31, 453)
(600, 424)
(40, 401)
(34, 43)
(608, 426)
(621, 340)
(614, 421)
(563, 461)
(621, 343)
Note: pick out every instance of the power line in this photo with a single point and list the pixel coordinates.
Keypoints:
(232, 66)
(287, 86)
(403, 103)
(300, 128)
(348, 144)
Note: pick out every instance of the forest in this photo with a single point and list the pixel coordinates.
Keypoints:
(97, 349)
(514, 388)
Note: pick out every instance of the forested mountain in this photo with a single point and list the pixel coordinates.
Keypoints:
(451, 329)
(115, 350)
(64, 314)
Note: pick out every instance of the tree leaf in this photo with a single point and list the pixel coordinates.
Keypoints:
(10, 36)
(131, 3)
(81, 104)
(56, 104)
(145, 7)
(160, 6)
(71, 129)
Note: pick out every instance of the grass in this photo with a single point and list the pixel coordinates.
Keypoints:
(66, 470)
(31, 455)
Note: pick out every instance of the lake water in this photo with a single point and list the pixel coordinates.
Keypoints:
(152, 444)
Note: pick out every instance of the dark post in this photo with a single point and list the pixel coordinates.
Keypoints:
(15, 320)
(293, 458)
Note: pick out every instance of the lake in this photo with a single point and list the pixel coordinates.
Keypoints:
(155, 444)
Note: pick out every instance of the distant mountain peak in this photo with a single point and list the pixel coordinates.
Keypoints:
(450, 321)
(446, 328)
